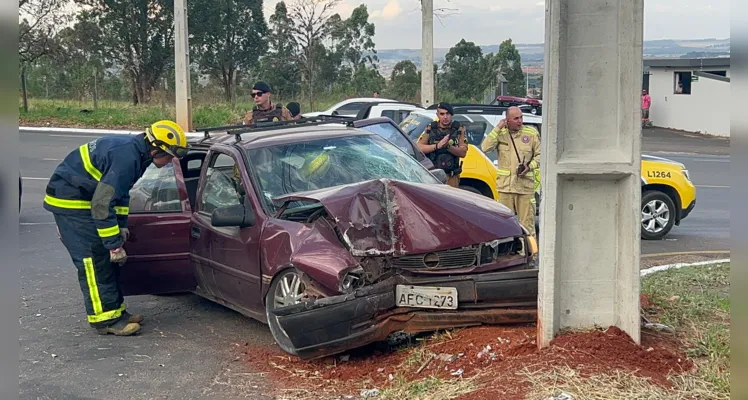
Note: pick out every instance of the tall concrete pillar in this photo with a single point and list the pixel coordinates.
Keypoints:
(590, 165)
(427, 52)
(182, 66)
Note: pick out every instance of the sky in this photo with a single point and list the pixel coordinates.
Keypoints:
(486, 22)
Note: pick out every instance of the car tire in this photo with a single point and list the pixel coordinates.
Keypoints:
(471, 189)
(657, 215)
(280, 336)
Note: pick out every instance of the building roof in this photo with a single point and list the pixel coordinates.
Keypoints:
(687, 62)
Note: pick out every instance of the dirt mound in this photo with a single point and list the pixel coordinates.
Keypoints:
(494, 355)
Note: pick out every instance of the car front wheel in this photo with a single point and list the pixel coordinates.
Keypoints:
(658, 215)
(286, 289)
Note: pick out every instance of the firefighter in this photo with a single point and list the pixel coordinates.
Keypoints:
(88, 195)
(264, 109)
(518, 148)
(444, 143)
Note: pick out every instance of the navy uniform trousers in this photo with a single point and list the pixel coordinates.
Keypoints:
(98, 276)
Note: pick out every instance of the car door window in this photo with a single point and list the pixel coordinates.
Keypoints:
(156, 191)
(350, 108)
(222, 184)
(392, 134)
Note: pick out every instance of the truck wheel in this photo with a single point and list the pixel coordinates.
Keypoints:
(471, 189)
(286, 289)
(658, 215)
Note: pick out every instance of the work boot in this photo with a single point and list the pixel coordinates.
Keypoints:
(132, 318)
(120, 328)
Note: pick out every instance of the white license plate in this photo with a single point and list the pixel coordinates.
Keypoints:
(426, 297)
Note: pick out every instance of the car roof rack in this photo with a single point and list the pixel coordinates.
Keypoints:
(239, 130)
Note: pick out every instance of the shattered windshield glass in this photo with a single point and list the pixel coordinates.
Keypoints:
(325, 163)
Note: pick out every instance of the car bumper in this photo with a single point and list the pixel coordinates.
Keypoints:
(335, 324)
(684, 213)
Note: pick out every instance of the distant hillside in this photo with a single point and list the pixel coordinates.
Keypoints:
(532, 53)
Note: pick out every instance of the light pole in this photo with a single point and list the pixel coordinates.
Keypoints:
(182, 66)
(427, 52)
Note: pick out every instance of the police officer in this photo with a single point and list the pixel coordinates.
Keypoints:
(518, 148)
(444, 142)
(264, 109)
(88, 195)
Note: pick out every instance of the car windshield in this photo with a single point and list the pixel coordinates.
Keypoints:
(392, 134)
(414, 125)
(324, 163)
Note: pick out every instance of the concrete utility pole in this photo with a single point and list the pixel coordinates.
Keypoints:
(590, 214)
(427, 52)
(182, 66)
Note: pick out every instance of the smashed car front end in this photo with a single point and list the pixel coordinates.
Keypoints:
(387, 256)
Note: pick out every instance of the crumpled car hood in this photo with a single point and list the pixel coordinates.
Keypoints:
(389, 217)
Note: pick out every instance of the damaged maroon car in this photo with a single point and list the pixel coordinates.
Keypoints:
(329, 233)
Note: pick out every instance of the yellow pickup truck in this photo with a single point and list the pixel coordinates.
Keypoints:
(668, 195)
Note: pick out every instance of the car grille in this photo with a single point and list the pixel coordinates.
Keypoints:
(462, 257)
(448, 259)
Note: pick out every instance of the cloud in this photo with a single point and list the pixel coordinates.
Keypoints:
(390, 11)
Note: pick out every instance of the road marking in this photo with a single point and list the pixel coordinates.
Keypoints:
(71, 136)
(34, 179)
(36, 223)
(648, 271)
(712, 160)
(52, 159)
(713, 186)
(683, 253)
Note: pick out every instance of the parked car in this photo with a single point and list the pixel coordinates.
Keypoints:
(668, 195)
(330, 234)
(348, 107)
(396, 111)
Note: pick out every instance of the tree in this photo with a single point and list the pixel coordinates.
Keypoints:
(405, 81)
(280, 67)
(139, 35)
(36, 31)
(229, 36)
(354, 39)
(466, 72)
(311, 27)
(510, 64)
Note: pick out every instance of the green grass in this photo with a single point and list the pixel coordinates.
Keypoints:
(695, 301)
(123, 115)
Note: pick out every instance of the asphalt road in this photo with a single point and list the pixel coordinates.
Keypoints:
(191, 348)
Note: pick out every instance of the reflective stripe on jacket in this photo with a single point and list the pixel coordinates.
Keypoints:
(108, 167)
(527, 141)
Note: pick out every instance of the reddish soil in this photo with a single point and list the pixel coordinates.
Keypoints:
(511, 350)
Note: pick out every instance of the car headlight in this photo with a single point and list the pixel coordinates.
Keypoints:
(352, 280)
(685, 173)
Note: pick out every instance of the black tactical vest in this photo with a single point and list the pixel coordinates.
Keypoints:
(271, 115)
(442, 158)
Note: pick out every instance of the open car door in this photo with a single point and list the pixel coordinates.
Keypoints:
(159, 245)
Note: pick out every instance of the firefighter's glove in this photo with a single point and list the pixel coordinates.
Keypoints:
(125, 233)
(118, 256)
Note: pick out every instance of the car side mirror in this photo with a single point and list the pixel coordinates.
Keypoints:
(440, 175)
(237, 215)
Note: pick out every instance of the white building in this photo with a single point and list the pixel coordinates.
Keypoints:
(702, 101)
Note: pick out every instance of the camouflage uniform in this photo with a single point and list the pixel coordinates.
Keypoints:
(274, 113)
(433, 134)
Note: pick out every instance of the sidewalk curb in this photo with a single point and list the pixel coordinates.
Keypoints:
(658, 268)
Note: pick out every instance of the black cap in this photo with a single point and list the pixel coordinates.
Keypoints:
(294, 108)
(262, 86)
(446, 106)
